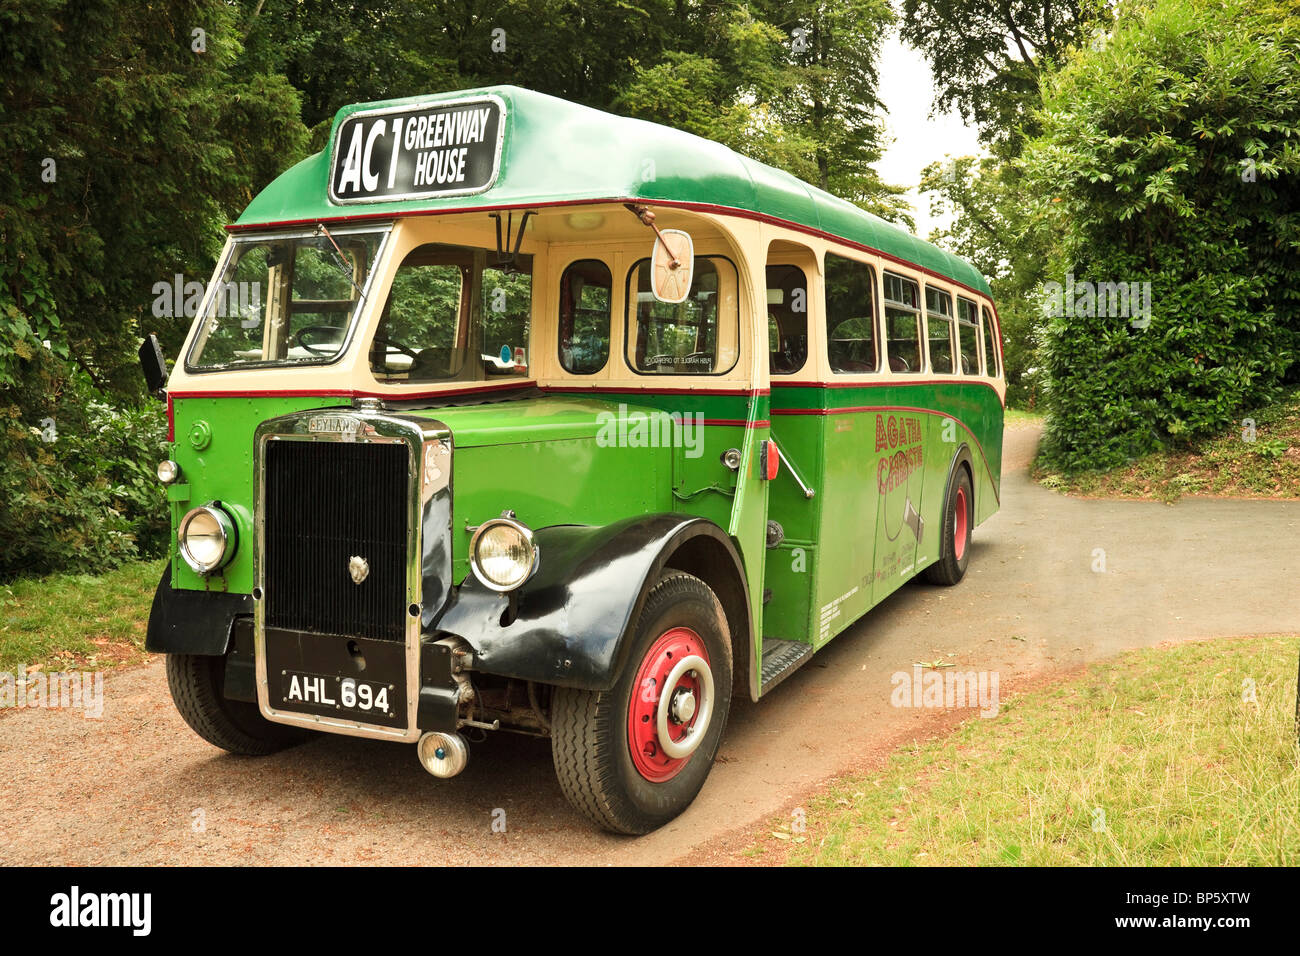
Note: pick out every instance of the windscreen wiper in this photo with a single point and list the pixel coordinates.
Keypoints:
(347, 269)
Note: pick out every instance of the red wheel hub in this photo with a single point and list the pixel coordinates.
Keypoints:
(682, 700)
(960, 525)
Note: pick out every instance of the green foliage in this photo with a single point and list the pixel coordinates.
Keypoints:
(1143, 173)
(988, 56)
(791, 84)
(994, 229)
(77, 483)
(125, 150)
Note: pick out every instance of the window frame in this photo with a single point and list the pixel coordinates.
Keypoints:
(951, 320)
(917, 311)
(979, 354)
(471, 305)
(877, 314)
(629, 304)
(610, 341)
(807, 312)
(987, 324)
(197, 338)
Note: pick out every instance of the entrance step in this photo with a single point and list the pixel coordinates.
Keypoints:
(781, 659)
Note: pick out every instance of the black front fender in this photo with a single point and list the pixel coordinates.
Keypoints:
(571, 620)
(192, 622)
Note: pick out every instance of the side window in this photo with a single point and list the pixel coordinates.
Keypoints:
(506, 308)
(938, 320)
(968, 336)
(850, 315)
(903, 323)
(787, 319)
(449, 315)
(990, 345)
(697, 336)
(585, 303)
(425, 323)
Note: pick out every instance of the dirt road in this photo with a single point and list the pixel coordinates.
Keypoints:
(137, 787)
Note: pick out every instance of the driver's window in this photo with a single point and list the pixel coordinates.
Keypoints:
(507, 301)
(323, 290)
(423, 332)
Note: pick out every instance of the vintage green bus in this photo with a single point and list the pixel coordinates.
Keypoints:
(503, 413)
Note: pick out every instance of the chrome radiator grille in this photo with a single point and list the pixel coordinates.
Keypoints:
(325, 504)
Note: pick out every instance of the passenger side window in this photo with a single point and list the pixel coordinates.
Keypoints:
(507, 306)
(585, 303)
(968, 334)
(991, 366)
(450, 315)
(902, 323)
(425, 320)
(697, 336)
(787, 319)
(938, 320)
(850, 315)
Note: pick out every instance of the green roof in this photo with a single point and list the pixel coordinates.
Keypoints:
(556, 151)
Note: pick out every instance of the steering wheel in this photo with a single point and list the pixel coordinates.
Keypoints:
(379, 339)
(393, 343)
(312, 330)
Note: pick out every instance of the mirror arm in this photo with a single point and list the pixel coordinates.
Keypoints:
(648, 218)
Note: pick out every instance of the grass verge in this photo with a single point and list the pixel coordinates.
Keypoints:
(1262, 461)
(1183, 756)
(1021, 418)
(81, 621)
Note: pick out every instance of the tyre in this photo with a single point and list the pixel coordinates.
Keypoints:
(958, 518)
(633, 757)
(197, 684)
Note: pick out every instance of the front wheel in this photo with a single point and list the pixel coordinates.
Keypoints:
(197, 685)
(954, 546)
(633, 757)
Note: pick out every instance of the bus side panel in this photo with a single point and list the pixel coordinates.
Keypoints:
(792, 567)
(899, 481)
(846, 524)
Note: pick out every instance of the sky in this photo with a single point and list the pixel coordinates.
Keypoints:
(907, 91)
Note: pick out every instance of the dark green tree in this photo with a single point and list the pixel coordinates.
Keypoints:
(1170, 154)
(129, 139)
(989, 56)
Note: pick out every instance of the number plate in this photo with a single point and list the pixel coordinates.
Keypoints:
(347, 695)
(342, 678)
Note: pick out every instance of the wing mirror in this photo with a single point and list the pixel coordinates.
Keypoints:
(154, 366)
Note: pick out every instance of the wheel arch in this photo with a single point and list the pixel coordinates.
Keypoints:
(962, 458)
(716, 562)
(569, 625)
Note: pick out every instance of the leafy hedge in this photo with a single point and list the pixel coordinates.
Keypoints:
(77, 484)
(1170, 154)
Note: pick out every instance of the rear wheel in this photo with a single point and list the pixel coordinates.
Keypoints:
(197, 684)
(633, 757)
(958, 519)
